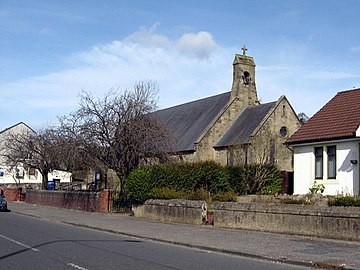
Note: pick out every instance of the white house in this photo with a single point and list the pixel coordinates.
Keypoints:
(326, 149)
(22, 175)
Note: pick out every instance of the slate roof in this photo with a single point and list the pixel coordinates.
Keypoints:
(188, 121)
(338, 119)
(245, 124)
(17, 124)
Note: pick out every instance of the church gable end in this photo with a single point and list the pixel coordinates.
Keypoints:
(208, 129)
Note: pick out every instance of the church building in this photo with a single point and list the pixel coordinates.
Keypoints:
(233, 128)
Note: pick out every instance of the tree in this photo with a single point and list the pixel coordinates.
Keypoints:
(303, 118)
(266, 147)
(260, 158)
(119, 130)
(33, 150)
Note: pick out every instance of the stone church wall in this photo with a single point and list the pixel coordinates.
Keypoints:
(283, 117)
(268, 140)
(205, 149)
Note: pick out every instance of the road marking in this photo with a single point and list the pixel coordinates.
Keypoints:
(76, 266)
(18, 243)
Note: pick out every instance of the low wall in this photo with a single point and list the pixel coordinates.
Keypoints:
(78, 200)
(320, 221)
(179, 211)
(14, 194)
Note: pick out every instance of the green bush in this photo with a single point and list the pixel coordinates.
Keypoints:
(199, 195)
(165, 193)
(209, 176)
(225, 197)
(255, 179)
(237, 179)
(273, 181)
(344, 201)
(201, 181)
(139, 184)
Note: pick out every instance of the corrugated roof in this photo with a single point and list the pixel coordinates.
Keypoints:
(245, 125)
(339, 118)
(188, 121)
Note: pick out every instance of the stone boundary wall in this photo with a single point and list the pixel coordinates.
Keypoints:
(78, 200)
(311, 220)
(178, 211)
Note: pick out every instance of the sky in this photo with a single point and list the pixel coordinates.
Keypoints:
(307, 50)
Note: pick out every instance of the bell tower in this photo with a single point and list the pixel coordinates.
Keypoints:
(243, 86)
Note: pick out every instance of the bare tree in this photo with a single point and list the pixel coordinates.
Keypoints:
(33, 150)
(303, 118)
(119, 130)
(265, 149)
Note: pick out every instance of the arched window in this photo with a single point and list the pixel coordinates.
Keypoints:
(246, 78)
(283, 131)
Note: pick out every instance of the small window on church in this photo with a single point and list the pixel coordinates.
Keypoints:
(283, 131)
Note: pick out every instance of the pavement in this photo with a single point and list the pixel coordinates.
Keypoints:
(290, 249)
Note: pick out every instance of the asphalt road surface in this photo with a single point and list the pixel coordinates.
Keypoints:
(32, 243)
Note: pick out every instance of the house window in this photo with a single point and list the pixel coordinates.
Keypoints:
(318, 162)
(331, 153)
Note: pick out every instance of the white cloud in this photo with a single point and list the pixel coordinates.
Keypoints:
(199, 44)
(119, 65)
(188, 68)
(148, 37)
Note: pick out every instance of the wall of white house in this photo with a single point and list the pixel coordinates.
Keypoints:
(25, 177)
(347, 173)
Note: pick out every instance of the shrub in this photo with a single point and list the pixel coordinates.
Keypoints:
(199, 195)
(201, 181)
(165, 193)
(344, 201)
(225, 197)
(209, 176)
(196, 179)
(255, 179)
(316, 188)
(139, 184)
(272, 180)
(237, 179)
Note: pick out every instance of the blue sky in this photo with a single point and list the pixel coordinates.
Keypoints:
(307, 50)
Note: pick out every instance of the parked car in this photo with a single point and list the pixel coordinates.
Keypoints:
(3, 204)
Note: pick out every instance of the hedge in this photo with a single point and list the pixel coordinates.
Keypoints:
(200, 180)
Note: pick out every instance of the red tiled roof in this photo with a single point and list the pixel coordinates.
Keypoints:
(339, 118)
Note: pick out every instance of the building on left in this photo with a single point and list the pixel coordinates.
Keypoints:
(22, 175)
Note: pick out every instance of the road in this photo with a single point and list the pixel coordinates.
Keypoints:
(32, 243)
